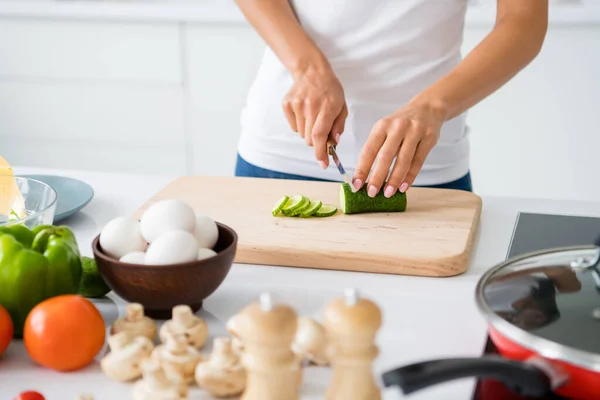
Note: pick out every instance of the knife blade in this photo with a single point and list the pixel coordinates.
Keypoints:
(338, 164)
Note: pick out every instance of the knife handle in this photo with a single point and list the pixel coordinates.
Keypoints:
(330, 144)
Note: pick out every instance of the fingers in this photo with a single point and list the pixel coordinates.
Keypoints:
(403, 163)
(300, 119)
(338, 124)
(310, 115)
(385, 158)
(417, 163)
(367, 155)
(320, 134)
(288, 110)
(426, 143)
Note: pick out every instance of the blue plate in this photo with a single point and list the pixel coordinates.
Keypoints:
(73, 194)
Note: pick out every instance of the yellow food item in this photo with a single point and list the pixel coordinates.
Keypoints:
(12, 203)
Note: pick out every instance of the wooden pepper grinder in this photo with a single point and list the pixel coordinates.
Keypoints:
(352, 323)
(267, 331)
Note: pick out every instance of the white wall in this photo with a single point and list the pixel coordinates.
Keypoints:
(92, 95)
(538, 135)
(222, 62)
(166, 96)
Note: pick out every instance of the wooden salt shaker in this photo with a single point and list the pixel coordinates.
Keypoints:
(352, 323)
(267, 331)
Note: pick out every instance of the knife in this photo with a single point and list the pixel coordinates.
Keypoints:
(338, 163)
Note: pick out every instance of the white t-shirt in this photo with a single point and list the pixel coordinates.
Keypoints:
(384, 52)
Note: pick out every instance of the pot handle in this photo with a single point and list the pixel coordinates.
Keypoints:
(525, 379)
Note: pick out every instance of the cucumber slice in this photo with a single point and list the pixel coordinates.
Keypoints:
(302, 209)
(294, 203)
(312, 209)
(326, 210)
(279, 205)
(360, 202)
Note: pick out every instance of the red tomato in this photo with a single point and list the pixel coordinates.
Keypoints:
(29, 395)
(6, 329)
(64, 333)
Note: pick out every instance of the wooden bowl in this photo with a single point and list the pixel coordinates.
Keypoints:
(161, 287)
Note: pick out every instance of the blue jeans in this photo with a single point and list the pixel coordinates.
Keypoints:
(245, 169)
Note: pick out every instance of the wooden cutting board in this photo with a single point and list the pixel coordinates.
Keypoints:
(433, 237)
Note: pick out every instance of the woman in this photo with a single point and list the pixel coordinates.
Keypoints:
(385, 79)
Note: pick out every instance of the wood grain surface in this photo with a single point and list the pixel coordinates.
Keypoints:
(433, 237)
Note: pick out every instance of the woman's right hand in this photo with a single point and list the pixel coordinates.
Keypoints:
(315, 107)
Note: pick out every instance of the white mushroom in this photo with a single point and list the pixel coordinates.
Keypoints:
(126, 354)
(221, 375)
(84, 396)
(135, 323)
(156, 386)
(178, 358)
(310, 342)
(185, 322)
(236, 342)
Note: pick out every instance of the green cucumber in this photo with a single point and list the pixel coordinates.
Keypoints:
(279, 205)
(326, 210)
(314, 206)
(300, 210)
(295, 203)
(360, 202)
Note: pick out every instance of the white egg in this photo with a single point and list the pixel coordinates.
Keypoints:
(171, 248)
(206, 231)
(167, 215)
(135, 257)
(122, 235)
(205, 253)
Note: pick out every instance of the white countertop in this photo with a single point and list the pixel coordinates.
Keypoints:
(424, 318)
(226, 11)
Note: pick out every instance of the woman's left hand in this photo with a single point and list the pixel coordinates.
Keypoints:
(407, 136)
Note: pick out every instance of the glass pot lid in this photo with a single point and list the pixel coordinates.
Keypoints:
(547, 301)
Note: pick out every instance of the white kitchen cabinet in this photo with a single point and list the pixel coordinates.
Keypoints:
(538, 135)
(88, 50)
(92, 95)
(96, 126)
(221, 63)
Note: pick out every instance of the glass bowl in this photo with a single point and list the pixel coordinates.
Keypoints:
(38, 201)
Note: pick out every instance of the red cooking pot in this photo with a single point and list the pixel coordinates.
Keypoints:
(543, 314)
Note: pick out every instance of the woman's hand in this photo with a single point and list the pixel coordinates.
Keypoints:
(406, 136)
(315, 107)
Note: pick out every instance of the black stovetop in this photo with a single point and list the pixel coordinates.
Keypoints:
(535, 232)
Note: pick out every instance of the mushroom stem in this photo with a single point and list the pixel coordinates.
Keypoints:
(154, 375)
(118, 341)
(176, 344)
(135, 312)
(223, 355)
(183, 321)
(183, 316)
(221, 375)
(221, 344)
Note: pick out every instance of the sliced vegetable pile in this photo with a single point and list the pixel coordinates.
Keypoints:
(350, 203)
(301, 206)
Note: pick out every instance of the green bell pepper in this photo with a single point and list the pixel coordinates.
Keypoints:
(31, 272)
(23, 234)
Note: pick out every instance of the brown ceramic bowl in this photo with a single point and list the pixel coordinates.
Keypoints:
(161, 287)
